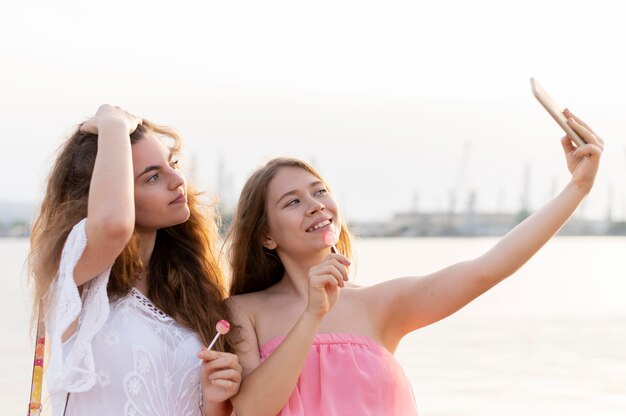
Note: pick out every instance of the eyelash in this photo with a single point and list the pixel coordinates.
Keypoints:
(173, 164)
(322, 191)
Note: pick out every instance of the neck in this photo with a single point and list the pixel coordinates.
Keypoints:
(146, 247)
(296, 276)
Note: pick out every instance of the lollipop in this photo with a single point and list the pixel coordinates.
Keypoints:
(330, 239)
(222, 328)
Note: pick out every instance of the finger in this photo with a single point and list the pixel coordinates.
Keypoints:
(568, 145)
(209, 356)
(88, 127)
(339, 263)
(333, 271)
(129, 114)
(225, 384)
(341, 268)
(568, 114)
(136, 120)
(320, 281)
(330, 265)
(588, 150)
(577, 119)
(587, 135)
(217, 365)
(340, 257)
(206, 355)
(230, 375)
(330, 279)
(218, 359)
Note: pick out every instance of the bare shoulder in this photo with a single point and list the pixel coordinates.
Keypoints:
(248, 302)
(384, 300)
(248, 306)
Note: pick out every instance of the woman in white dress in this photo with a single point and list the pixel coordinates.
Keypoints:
(126, 275)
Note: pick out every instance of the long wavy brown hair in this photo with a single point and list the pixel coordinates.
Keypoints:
(184, 277)
(253, 266)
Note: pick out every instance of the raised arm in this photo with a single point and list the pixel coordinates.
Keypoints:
(110, 212)
(410, 303)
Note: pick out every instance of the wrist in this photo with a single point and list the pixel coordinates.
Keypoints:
(580, 188)
(113, 125)
(311, 319)
(209, 408)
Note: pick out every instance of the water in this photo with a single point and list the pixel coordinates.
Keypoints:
(550, 340)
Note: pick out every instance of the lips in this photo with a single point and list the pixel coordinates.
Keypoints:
(324, 222)
(179, 199)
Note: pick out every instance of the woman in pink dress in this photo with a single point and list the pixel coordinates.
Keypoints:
(316, 344)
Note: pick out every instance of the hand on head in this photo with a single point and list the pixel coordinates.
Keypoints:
(110, 115)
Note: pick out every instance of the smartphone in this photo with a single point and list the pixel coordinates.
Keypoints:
(555, 111)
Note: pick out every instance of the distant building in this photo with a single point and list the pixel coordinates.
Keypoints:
(470, 224)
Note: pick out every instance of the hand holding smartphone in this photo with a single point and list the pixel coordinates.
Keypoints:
(555, 111)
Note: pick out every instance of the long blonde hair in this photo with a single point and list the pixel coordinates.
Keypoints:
(185, 279)
(253, 266)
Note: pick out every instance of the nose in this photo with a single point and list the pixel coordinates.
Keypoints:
(315, 206)
(178, 179)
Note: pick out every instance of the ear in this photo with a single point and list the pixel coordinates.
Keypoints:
(269, 243)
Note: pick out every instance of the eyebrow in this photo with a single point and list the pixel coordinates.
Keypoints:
(154, 167)
(295, 191)
(148, 169)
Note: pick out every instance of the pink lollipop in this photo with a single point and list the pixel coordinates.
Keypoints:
(330, 239)
(222, 328)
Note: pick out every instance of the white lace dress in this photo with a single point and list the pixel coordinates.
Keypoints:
(126, 358)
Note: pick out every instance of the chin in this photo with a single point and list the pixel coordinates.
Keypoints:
(183, 217)
(169, 221)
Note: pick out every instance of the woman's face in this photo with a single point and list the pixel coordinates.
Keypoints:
(160, 188)
(300, 210)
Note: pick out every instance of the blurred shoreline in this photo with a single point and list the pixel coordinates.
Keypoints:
(435, 224)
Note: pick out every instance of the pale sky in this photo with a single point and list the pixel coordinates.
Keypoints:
(397, 103)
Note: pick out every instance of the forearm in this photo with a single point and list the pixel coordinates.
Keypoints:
(520, 244)
(111, 192)
(268, 387)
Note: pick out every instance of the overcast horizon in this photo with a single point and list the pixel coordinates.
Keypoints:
(398, 106)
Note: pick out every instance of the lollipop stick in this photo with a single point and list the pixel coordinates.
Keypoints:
(213, 342)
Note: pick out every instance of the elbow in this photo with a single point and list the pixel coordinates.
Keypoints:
(479, 271)
(115, 229)
(488, 274)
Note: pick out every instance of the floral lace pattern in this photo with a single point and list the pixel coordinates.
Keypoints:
(149, 306)
(127, 357)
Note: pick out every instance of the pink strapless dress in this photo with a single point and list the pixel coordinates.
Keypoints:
(348, 375)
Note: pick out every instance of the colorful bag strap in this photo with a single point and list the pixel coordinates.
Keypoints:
(34, 407)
